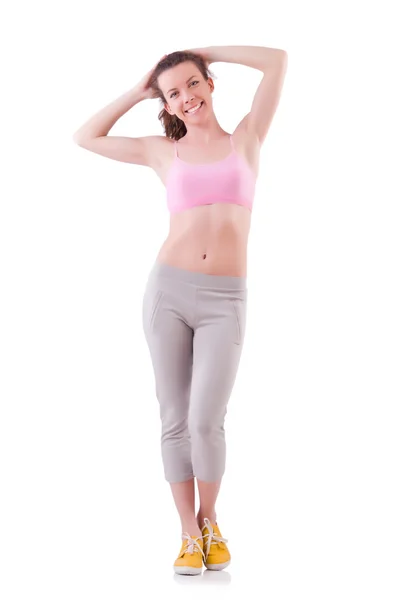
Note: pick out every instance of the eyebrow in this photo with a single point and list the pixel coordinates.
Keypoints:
(186, 82)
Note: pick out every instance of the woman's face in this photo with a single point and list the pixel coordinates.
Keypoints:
(183, 88)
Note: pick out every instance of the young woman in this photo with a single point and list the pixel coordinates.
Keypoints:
(195, 302)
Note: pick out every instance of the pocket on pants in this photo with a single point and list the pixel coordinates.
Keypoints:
(156, 303)
(240, 313)
(150, 306)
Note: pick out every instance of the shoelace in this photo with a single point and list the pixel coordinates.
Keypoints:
(192, 544)
(212, 538)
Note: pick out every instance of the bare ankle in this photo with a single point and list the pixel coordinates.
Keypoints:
(191, 527)
(209, 515)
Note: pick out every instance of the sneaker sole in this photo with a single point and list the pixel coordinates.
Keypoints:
(188, 570)
(218, 567)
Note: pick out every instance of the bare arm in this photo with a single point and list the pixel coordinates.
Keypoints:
(256, 57)
(93, 135)
(102, 122)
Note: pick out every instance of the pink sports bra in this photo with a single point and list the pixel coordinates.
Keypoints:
(227, 181)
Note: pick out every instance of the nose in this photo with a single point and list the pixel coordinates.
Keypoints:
(188, 97)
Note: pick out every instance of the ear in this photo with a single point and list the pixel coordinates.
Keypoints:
(211, 85)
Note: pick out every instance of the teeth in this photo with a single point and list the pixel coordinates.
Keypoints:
(191, 110)
(194, 108)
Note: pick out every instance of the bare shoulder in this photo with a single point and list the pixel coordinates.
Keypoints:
(159, 149)
(161, 153)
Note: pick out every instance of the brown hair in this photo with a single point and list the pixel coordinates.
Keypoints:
(173, 126)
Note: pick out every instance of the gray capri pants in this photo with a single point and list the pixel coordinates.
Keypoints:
(194, 325)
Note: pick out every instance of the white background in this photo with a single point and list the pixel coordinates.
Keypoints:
(308, 500)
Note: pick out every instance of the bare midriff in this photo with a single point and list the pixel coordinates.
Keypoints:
(210, 239)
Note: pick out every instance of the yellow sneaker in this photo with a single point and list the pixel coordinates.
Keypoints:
(216, 553)
(190, 558)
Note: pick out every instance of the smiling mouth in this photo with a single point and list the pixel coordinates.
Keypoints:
(198, 108)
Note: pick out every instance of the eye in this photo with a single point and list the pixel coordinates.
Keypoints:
(195, 81)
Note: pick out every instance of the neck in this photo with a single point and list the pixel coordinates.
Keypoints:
(205, 132)
(203, 137)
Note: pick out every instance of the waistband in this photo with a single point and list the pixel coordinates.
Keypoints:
(160, 269)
